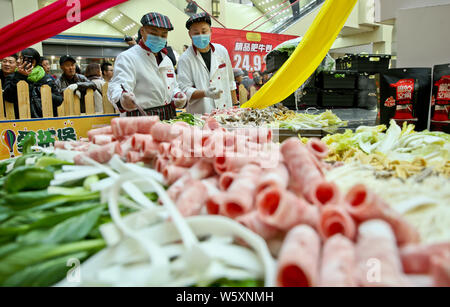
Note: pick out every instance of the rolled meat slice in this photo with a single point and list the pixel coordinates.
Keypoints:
(124, 126)
(164, 149)
(416, 259)
(305, 175)
(240, 197)
(192, 199)
(138, 141)
(364, 205)
(226, 179)
(102, 154)
(99, 131)
(277, 177)
(134, 156)
(284, 210)
(172, 173)
(378, 258)
(338, 263)
(161, 164)
(211, 124)
(326, 193)
(214, 204)
(336, 220)
(298, 262)
(318, 148)
(146, 123)
(163, 132)
(254, 223)
(150, 148)
(440, 270)
(103, 139)
(122, 148)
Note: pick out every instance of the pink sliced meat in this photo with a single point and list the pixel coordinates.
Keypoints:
(163, 132)
(440, 270)
(240, 197)
(318, 148)
(123, 148)
(151, 148)
(60, 144)
(124, 126)
(338, 263)
(305, 175)
(103, 139)
(416, 259)
(254, 223)
(232, 163)
(274, 178)
(185, 161)
(378, 258)
(134, 156)
(326, 193)
(259, 135)
(172, 173)
(146, 123)
(298, 262)
(138, 141)
(226, 179)
(99, 131)
(364, 205)
(215, 203)
(161, 164)
(336, 220)
(164, 149)
(284, 210)
(211, 124)
(101, 154)
(192, 200)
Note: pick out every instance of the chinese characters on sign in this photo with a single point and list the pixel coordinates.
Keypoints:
(248, 49)
(46, 138)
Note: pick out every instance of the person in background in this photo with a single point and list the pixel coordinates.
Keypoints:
(72, 80)
(94, 74)
(191, 8)
(78, 70)
(238, 77)
(9, 65)
(130, 41)
(295, 9)
(45, 63)
(205, 72)
(107, 71)
(33, 73)
(185, 47)
(246, 81)
(144, 76)
(258, 80)
(265, 76)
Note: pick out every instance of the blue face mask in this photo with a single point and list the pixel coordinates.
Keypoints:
(201, 41)
(155, 43)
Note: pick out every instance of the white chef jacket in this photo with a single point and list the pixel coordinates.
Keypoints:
(193, 75)
(138, 70)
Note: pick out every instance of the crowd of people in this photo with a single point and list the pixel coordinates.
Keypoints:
(146, 79)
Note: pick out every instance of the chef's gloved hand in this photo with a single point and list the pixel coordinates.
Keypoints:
(128, 101)
(213, 93)
(180, 100)
(73, 87)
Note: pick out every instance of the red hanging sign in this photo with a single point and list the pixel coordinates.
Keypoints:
(248, 49)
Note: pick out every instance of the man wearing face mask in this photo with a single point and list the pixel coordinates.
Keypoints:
(144, 76)
(205, 72)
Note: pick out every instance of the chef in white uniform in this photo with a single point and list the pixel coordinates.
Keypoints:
(144, 75)
(205, 72)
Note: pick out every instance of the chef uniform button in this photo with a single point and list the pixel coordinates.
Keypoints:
(224, 105)
(218, 78)
(148, 54)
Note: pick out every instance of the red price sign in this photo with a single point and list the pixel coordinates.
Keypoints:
(248, 49)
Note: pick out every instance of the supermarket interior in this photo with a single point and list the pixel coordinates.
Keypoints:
(225, 143)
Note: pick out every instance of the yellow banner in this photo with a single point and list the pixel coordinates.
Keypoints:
(46, 131)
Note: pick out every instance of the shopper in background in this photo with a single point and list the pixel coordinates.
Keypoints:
(74, 81)
(45, 63)
(258, 80)
(94, 74)
(33, 73)
(266, 76)
(205, 72)
(295, 8)
(238, 77)
(144, 75)
(191, 8)
(185, 47)
(9, 65)
(78, 69)
(107, 71)
(246, 81)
